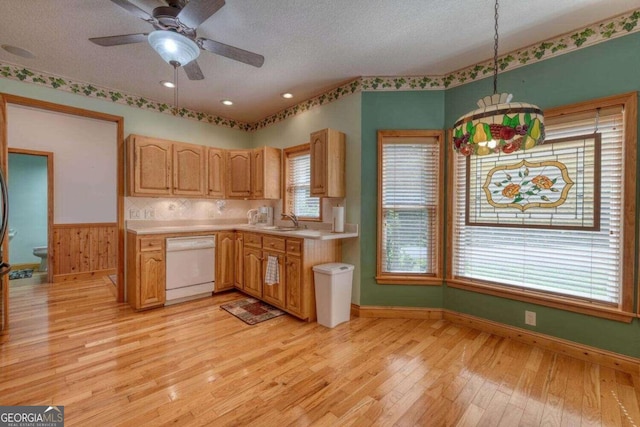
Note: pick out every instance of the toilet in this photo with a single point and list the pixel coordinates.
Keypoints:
(41, 252)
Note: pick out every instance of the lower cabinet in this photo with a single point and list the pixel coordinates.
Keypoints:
(274, 293)
(225, 260)
(252, 271)
(296, 257)
(238, 277)
(145, 271)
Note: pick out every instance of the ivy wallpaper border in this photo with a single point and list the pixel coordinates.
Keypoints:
(599, 32)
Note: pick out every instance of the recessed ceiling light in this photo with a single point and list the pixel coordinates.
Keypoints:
(287, 95)
(18, 51)
(227, 102)
(167, 84)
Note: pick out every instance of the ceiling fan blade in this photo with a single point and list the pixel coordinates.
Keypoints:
(133, 9)
(198, 11)
(232, 52)
(193, 70)
(118, 40)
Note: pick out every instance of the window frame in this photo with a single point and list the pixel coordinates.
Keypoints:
(625, 310)
(287, 153)
(437, 277)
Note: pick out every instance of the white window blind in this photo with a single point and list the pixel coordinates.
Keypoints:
(582, 264)
(299, 200)
(409, 199)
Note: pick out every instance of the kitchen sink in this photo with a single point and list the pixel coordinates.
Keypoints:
(286, 228)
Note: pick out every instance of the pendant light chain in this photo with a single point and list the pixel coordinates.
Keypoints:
(495, 53)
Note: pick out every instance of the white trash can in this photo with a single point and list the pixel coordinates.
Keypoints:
(333, 293)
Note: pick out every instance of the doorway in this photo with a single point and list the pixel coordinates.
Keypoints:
(30, 183)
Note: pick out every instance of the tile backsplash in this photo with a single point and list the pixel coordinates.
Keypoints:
(159, 209)
(152, 208)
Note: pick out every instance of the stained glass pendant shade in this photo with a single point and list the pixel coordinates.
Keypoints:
(498, 125)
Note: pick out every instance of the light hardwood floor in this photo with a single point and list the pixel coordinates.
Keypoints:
(194, 364)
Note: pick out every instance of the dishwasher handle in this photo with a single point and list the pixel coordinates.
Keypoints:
(190, 243)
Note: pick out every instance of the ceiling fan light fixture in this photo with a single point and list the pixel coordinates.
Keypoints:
(173, 47)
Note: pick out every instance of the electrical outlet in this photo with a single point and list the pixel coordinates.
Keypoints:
(149, 213)
(134, 213)
(530, 318)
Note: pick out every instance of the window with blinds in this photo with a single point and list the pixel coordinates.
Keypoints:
(409, 168)
(580, 264)
(298, 184)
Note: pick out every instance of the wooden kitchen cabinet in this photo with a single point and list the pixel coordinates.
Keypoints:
(157, 167)
(149, 166)
(215, 173)
(293, 277)
(265, 173)
(327, 149)
(252, 268)
(239, 174)
(296, 257)
(189, 169)
(145, 271)
(275, 293)
(239, 256)
(225, 260)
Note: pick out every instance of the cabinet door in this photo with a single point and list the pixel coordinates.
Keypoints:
(294, 290)
(253, 272)
(239, 257)
(216, 173)
(152, 279)
(238, 173)
(188, 169)
(151, 166)
(274, 293)
(318, 154)
(257, 174)
(225, 260)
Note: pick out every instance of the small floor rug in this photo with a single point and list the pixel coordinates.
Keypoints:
(20, 274)
(251, 311)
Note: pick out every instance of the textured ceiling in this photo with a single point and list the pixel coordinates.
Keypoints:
(310, 46)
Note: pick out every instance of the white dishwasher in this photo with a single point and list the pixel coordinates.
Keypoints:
(190, 268)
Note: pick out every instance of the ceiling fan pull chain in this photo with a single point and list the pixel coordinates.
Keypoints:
(175, 92)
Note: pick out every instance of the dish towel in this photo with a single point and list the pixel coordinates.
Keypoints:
(272, 275)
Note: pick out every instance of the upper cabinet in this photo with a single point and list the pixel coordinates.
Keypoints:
(189, 169)
(327, 148)
(265, 173)
(254, 174)
(149, 166)
(216, 168)
(157, 167)
(239, 174)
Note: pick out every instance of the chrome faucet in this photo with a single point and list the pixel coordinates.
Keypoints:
(292, 217)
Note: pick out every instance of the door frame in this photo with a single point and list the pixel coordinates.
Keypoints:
(50, 106)
(50, 187)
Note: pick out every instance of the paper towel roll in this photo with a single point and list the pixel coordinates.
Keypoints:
(338, 219)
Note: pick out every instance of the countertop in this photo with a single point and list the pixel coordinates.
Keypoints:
(176, 227)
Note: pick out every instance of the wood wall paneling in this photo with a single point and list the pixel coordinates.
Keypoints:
(84, 250)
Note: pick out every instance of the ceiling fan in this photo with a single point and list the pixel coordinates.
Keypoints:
(175, 36)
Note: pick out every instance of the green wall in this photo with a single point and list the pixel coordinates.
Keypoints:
(605, 69)
(391, 110)
(342, 115)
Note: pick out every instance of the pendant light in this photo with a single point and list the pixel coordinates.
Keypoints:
(498, 125)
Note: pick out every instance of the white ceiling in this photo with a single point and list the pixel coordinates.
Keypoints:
(310, 46)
